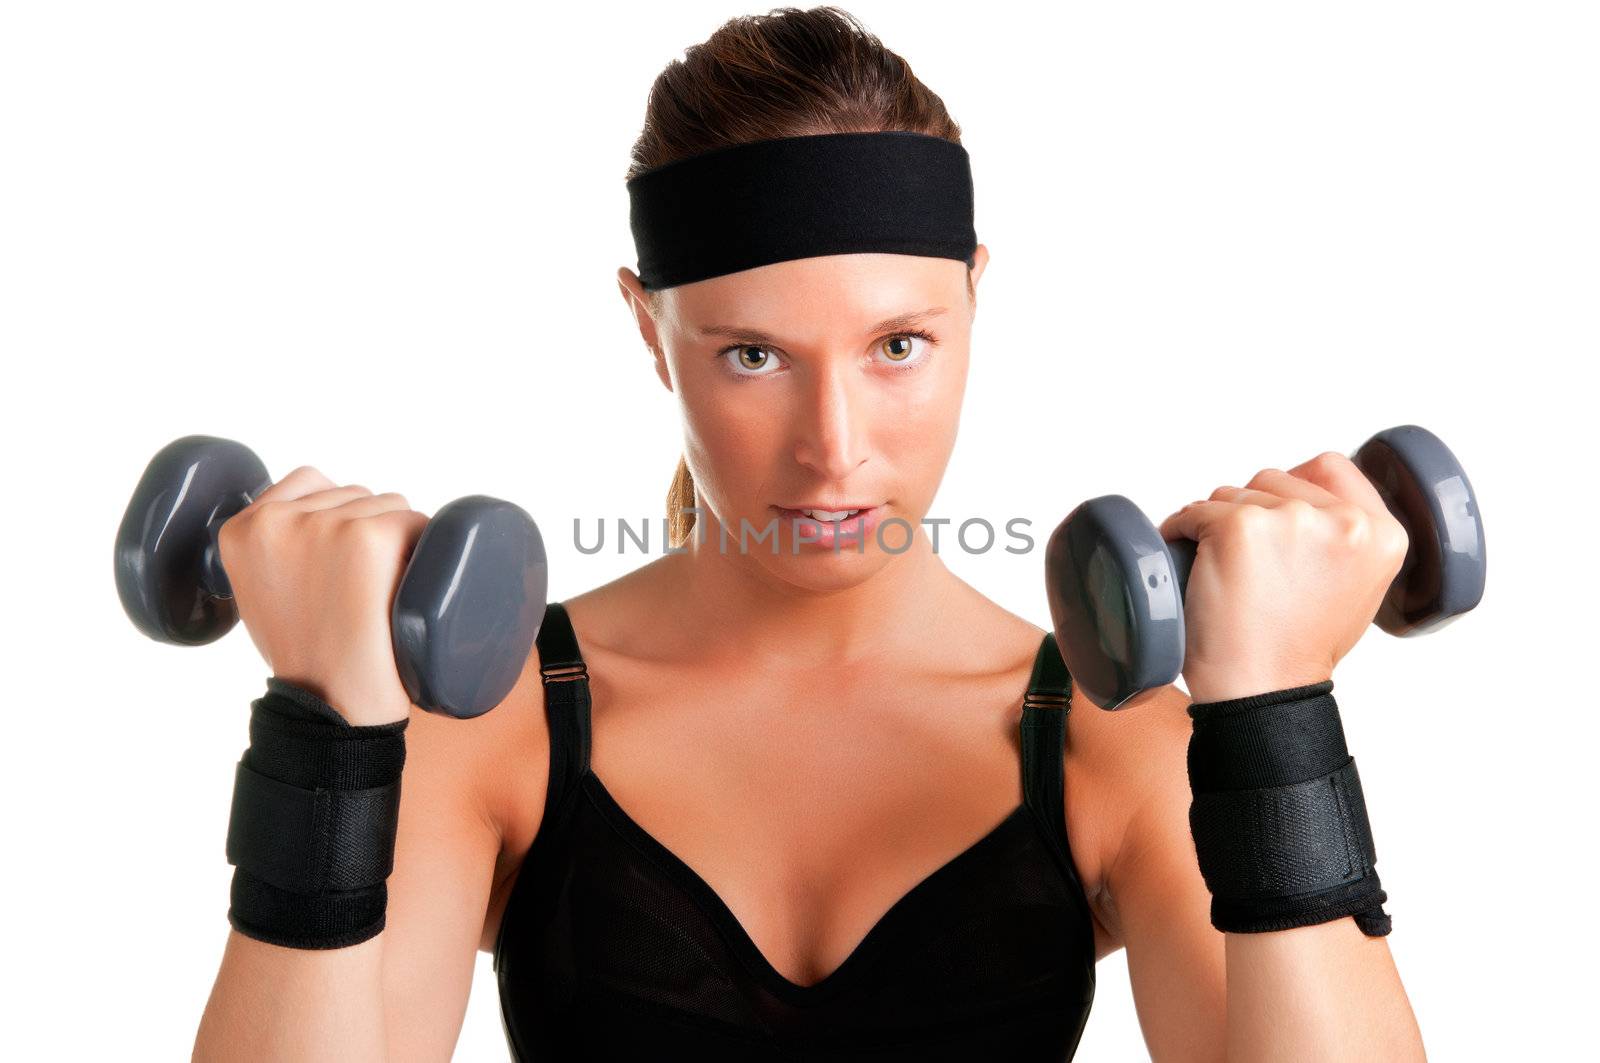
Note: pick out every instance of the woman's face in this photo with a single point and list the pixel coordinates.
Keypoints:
(833, 381)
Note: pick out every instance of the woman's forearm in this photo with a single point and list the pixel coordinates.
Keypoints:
(1328, 989)
(1321, 992)
(275, 1003)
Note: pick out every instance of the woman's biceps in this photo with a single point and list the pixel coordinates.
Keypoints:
(1176, 958)
(445, 853)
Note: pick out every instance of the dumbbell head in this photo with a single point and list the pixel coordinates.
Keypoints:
(469, 606)
(1115, 601)
(168, 575)
(1116, 589)
(1428, 492)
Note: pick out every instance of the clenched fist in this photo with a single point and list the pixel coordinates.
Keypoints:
(1289, 571)
(314, 569)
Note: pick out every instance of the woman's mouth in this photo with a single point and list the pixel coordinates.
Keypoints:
(825, 527)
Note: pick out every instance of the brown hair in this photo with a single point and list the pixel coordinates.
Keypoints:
(786, 73)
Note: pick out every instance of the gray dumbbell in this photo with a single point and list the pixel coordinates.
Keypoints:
(465, 615)
(1116, 587)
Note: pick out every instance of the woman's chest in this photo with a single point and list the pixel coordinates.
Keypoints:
(806, 814)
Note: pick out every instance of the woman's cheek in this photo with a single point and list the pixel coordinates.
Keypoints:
(729, 455)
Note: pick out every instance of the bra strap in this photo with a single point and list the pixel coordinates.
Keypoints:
(566, 705)
(1044, 734)
(1051, 684)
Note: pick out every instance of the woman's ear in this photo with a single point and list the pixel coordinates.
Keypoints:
(638, 300)
(980, 259)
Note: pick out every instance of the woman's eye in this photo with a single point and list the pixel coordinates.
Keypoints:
(750, 359)
(905, 350)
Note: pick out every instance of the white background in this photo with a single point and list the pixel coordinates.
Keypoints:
(381, 239)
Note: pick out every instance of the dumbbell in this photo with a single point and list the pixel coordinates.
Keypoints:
(1116, 588)
(465, 615)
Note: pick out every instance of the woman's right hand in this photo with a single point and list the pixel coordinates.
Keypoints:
(315, 568)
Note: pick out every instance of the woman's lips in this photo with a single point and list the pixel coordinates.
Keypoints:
(848, 533)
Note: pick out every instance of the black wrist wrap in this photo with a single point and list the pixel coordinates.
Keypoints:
(1279, 822)
(316, 803)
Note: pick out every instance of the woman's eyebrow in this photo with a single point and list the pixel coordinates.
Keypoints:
(899, 321)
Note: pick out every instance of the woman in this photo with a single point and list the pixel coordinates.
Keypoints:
(782, 802)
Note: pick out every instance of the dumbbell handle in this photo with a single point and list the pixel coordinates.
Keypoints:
(212, 575)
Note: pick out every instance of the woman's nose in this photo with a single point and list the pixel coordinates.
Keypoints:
(832, 433)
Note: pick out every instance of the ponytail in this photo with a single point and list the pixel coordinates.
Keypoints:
(680, 499)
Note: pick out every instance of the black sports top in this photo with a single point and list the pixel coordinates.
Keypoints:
(613, 947)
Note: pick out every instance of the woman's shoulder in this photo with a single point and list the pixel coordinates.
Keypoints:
(620, 615)
(605, 621)
(982, 636)
(515, 736)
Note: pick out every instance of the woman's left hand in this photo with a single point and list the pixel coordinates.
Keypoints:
(1289, 572)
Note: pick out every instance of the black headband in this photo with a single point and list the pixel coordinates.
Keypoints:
(768, 201)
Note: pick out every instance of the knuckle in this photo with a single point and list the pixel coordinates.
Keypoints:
(366, 538)
(1329, 461)
(1299, 510)
(1396, 543)
(1220, 493)
(1260, 479)
(1246, 520)
(405, 527)
(1352, 527)
(338, 521)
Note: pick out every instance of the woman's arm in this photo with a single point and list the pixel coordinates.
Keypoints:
(402, 994)
(1320, 992)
